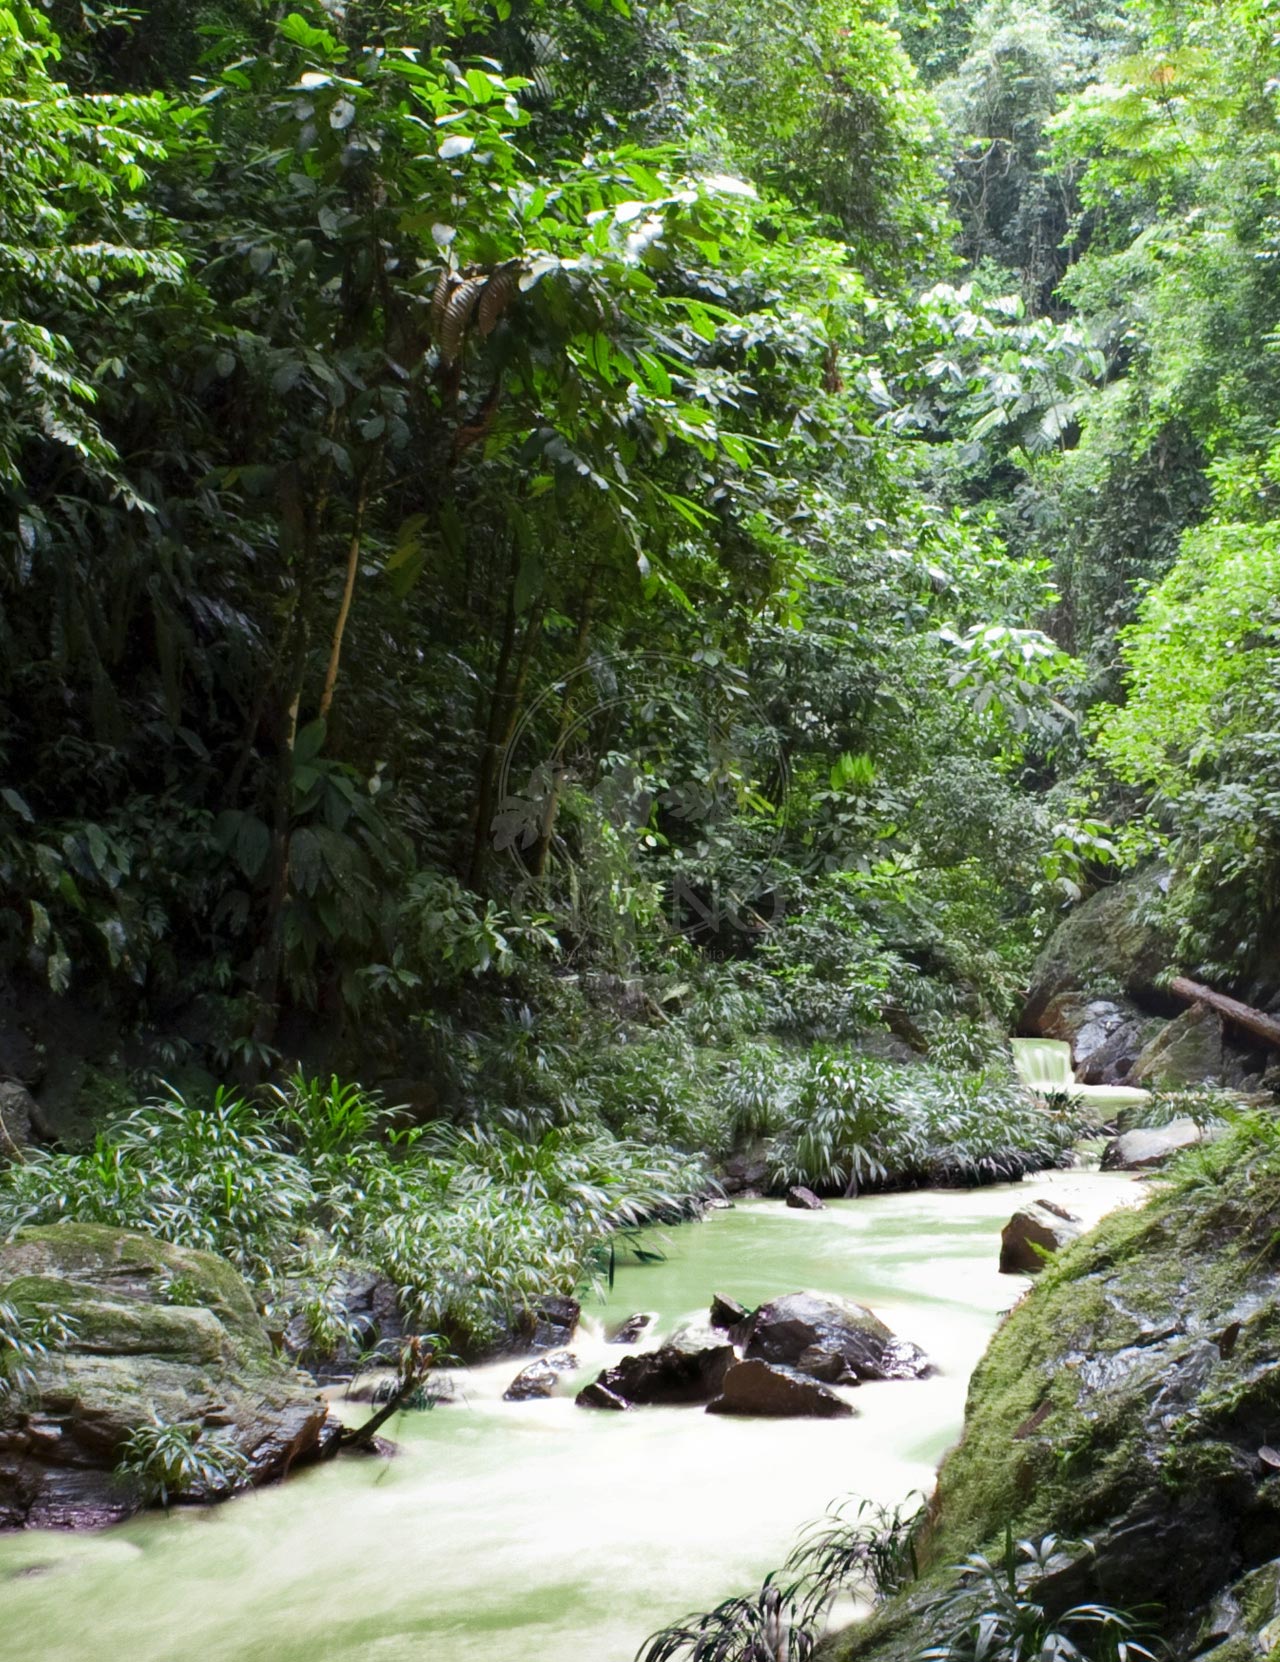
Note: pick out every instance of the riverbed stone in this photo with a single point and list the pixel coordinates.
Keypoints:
(762, 1388)
(801, 1199)
(630, 1331)
(816, 1327)
(552, 1323)
(1039, 1228)
(156, 1330)
(540, 1378)
(727, 1314)
(1151, 1146)
(674, 1373)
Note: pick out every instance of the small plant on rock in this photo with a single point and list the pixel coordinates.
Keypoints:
(25, 1338)
(164, 1460)
(994, 1615)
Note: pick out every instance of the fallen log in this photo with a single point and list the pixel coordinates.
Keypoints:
(1257, 1022)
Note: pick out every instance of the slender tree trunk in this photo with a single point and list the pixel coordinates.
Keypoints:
(344, 609)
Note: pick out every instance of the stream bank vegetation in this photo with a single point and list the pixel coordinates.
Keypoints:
(604, 573)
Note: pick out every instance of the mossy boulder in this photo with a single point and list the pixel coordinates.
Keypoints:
(1130, 1400)
(156, 1331)
(1189, 1051)
(1112, 945)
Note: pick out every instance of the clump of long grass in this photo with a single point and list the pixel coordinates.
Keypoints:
(853, 1122)
(473, 1225)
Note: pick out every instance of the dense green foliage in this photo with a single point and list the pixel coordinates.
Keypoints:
(609, 570)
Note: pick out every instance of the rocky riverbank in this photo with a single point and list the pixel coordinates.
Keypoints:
(1132, 1400)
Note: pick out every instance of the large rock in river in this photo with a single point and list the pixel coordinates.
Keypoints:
(1150, 1146)
(682, 1371)
(832, 1339)
(774, 1393)
(1188, 1051)
(157, 1331)
(1034, 1232)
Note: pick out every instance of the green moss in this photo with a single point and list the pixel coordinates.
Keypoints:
(1259, 1597)
(56, 1264)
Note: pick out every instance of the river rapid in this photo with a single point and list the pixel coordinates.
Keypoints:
(508, 1532)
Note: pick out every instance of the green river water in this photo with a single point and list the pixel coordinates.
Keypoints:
(507, 1532)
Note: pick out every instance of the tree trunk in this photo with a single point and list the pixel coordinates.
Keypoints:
(344, 609)
(1257, 1022)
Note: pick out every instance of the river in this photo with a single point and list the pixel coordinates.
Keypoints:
(507, 1532)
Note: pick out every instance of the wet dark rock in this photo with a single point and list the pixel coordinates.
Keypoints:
(597, 1395)
(746, 1171)
(1034, 1230)
(727, 1314)
(629, 1332)
(1106, 1035)
(818, 1327)
(1149, 1147)
(675, 1373)
(540, 1378)
(553, 1323)
(158, 1330)
(804, 1200)
(762, 1388)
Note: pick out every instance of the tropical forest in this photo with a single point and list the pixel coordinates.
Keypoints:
(640, 830)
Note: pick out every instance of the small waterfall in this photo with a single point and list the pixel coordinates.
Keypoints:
(1044, 1065)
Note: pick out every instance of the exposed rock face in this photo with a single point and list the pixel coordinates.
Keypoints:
(1149, 1147)
(831, 1339)
(755, 1387)
(746, 1172)
(674, 1373)
(158, 1329)
(1186, 1052)
(1106, 1035)
(801, 1199)
(1131, 1400)
(1110, 942)
(539, 1379)
(1031, 1232)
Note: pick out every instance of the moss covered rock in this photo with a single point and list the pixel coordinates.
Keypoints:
(156, 1331)
(1130, 1400)
(1111, 945)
